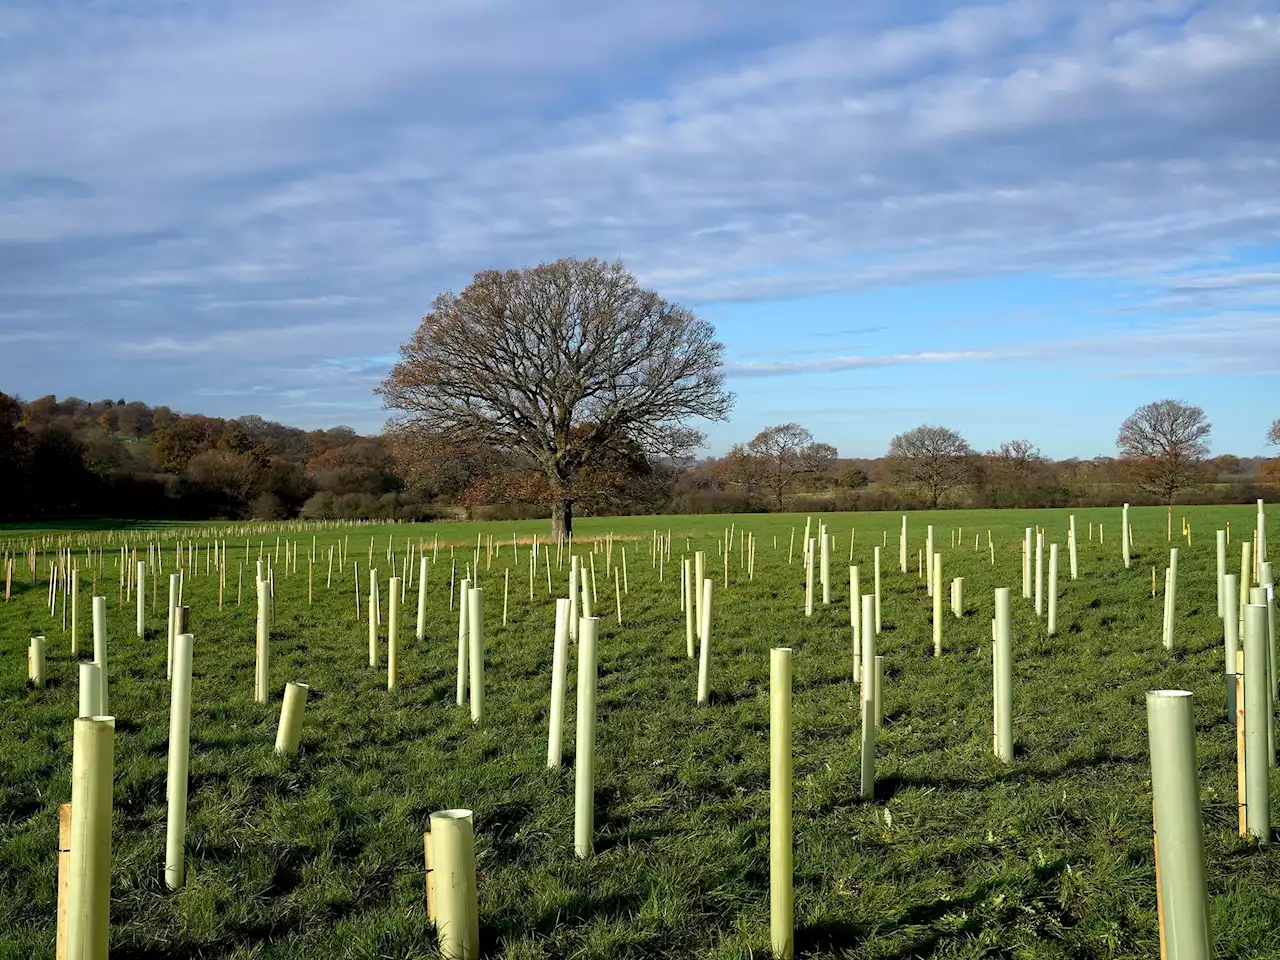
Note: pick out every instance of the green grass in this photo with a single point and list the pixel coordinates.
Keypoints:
(958, 855)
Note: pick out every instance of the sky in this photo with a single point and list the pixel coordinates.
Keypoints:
(1018, 220)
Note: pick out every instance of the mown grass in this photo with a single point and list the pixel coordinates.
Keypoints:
(957, 856)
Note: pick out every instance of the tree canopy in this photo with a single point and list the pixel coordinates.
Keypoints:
(933, 460)
(1162, 446)
(787, 451)
(565, 366)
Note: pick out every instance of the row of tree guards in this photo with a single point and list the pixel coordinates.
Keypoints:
(1246, 603)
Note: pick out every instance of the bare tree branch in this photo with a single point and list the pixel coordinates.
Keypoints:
(788, 450)
(1162, 446)
(568, 364)
(934, 460)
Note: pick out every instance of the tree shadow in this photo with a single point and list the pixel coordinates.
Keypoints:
(833, 935)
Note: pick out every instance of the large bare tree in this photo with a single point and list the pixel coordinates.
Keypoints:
(1162, 446)
(744, 469)
(1013, 472)
(568, 364)
(787, 451)
(1271, 468)
(934, 460)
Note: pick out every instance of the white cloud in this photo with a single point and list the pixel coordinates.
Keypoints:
(208, 160)
(758, 368)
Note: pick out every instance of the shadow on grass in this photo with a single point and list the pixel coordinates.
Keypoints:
(834, 935)
(888, 786)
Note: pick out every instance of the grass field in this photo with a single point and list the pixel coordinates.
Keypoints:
(958, 855)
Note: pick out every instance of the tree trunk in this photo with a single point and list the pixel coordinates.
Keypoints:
(561, 519)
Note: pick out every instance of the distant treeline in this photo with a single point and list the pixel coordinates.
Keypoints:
(76, 458)
(715, 486)
(73, 457)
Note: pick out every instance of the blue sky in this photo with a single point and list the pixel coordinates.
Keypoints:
(1016, 219)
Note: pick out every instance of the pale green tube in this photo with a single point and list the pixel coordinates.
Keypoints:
(1039, 583)
(1026, 565)
(1171, 598)
(475, 612)
(1266, 581)
(174, 586)
(928, 555)
(1052, 614)
(1264, 570)
(142, 620)
(90, 690)
(292, 707)
(584, 779)
(36, 663)
(855, 621)
(1257, 716)
(1222, 566)
(1071, 550)
(699, 574)
(422, 597)
(704, 652)
(902, 545)
(957, 597)
(453, 867)
(867, 780)
(574, 578)
(808, 578)
(89, 874)
(373, 618)
(1003, 667)
(826, 568)
(393, 631)
(464, 587)
(175, 863)
(1231, 638)
(264, 646)
(689, 626)
(1258, 597)
(878, 692)
(875, 553)
(588, 595)
(781, 868)
(1124, 535)
(1179, 831)
(75, 611)
(559, 679)
(1262, 531)
(1246, 575)
(100, 647)
(937, 604)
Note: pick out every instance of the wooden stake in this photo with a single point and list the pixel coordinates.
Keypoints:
(64, 875)
(431, 877)
(1240, 780)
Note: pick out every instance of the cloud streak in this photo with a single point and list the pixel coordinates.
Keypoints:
(228, 187)
(775, 368)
